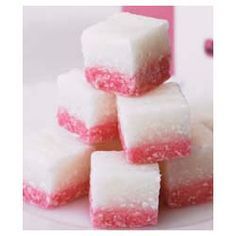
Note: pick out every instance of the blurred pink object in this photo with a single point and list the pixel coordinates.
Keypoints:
(208, 46)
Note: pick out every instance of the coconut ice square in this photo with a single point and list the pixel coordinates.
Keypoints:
(56, 168)
(155, 126)
(122, 195)
(85, 111)
(127, 54)
(189, 181)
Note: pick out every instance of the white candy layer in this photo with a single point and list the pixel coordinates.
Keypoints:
(161, 114)
(125, 42)
(92, 106)
(54, 158)
(116, 183)
(197, 167)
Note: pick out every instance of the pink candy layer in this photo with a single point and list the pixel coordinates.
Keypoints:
(147, 78)
(192, 194)
(42, 199)
(95, 135)
(113, 218)
(159, 151)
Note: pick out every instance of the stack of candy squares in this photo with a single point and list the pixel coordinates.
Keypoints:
(124, 121)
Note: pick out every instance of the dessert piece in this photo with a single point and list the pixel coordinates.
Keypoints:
(83, 110)
(127, 54)
(155, 126)
(56, 168)
(122, 195)
(189, 181)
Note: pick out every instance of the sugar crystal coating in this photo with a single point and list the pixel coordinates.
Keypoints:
(147, 78)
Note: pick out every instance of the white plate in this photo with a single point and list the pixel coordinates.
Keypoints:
(39, 111)
(76, 216)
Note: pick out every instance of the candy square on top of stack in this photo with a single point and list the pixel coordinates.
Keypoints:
(127, 54)
(155, 126)
(86, 111)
